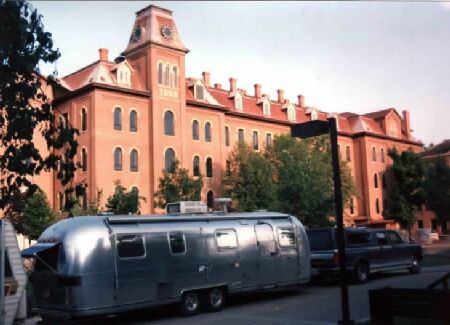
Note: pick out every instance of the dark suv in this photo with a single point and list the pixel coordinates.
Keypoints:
(367, 251)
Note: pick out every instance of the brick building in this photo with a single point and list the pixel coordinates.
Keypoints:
(138, 112)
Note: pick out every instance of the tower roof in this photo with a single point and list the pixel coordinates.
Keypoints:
(154, 25)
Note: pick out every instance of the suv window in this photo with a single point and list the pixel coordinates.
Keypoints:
(320, 240)
(358, 237)
(394, 238)
(381, 238)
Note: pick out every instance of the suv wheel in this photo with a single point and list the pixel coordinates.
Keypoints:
(361, 272)
(415, 267)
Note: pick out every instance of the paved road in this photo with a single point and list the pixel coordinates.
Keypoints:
(315, 304)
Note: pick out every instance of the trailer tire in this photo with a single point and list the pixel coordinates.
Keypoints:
(214, 299)
(190, 303)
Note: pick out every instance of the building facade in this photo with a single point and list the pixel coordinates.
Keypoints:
(139, 112)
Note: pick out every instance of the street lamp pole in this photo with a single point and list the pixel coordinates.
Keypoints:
(315, 128)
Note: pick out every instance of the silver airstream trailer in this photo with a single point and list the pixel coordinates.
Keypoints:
(106, 264)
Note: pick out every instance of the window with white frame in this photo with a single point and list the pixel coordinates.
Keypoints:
(266, 108)
(291, 113)
(199, 92)
(123, 75)
(238, 102)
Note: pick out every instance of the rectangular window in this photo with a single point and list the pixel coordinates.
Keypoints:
(374, 154)
(226, 239)
(255, 140)
(228, 168)
(347, 153)
(382, 155)
(268, 140)
(286, 237)
(130, 246)
(227, 136)
(241, 135)
(420, 224)
(177, 243)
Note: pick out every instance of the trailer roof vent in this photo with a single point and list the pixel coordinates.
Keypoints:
(224, 202)
(186, 207)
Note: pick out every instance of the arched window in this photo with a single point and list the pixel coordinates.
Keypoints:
(168, 123)
(209, 168)
(347, 153)
(352, 206)
(175, 76)
(375, 180)
(266, 108)
(383, 180)
(195, 133)
(83, 119)
(374, 154)
(382, 155)
(196, 166)
(208, 132)
(241, 135)
(118, 159)
(83, 159)
(227, 136)
(268, 140)
(160, 73)
(291, 113)
(255, 140)
(228, 168)
(210, 200)
(117, 118)
(167, 75)
(134, 160)
(133, 121)
(238, 102)
(84, 200)
(169, 159)
(377, 205)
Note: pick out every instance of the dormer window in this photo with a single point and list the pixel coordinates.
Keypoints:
(314, 115)
(123, 75)
(291, 113)
(266, 108)
(199, 92)
(238, 102)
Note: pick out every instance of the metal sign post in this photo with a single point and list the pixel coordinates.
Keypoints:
(315, 128)
(2, 271)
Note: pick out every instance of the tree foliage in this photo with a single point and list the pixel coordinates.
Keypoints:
(250, 182)
(406, 192)
(295, 177)
(37, 215)
(437, 190)
(25, 108)
(123, 202)
(93, 207)
(177, 185)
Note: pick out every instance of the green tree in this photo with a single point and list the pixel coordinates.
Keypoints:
(37, 215)
(293, 176)
(25, 108)
(93, 207)
(406, 191)
(250, 182)
(437, 191)
(177, 185)
(123, 202)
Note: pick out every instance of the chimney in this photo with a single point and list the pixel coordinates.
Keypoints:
(406, 124)
(232, 84)
(103, 54)
(257, 90)
(280, 93)
(218, 86)
(206, 76)
(301, 101)
(243, 91)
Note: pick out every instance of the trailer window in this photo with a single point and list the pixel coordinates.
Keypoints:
(177, 243)
(286, 237)
(48, 259)
(130, 246)
(226, 239)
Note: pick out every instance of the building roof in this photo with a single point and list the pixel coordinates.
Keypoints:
(437, 150)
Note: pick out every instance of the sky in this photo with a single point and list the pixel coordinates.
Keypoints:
(342, 56)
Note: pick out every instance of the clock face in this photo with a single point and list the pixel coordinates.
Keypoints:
(137, 34)
(167, 32)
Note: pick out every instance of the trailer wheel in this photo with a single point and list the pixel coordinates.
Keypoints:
(214, 299)
(190, 303)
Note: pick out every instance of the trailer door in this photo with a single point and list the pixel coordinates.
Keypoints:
(288, 265)
(268, 254)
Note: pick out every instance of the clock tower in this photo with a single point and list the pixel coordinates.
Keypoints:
(157, 55)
